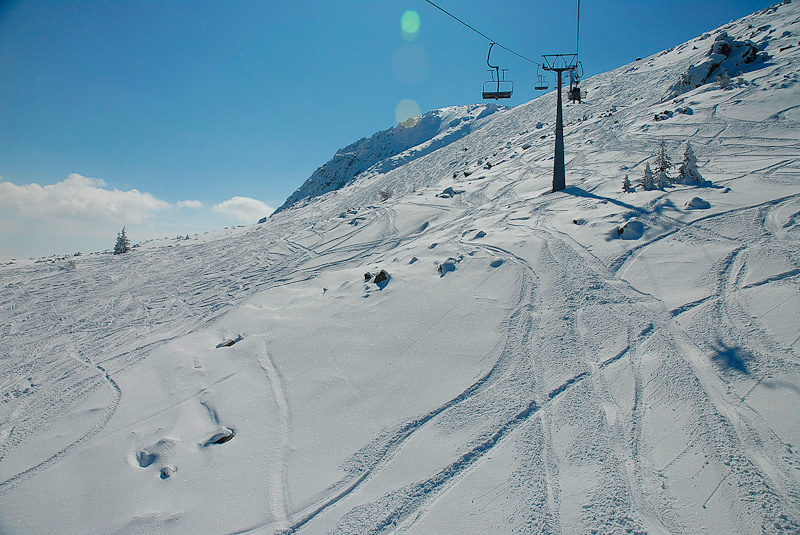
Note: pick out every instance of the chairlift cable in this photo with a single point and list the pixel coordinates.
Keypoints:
(481, 33)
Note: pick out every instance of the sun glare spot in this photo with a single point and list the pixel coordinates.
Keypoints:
(407, 109)
(409, 23)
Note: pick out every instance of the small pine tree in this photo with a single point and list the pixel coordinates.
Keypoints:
(648, 180)
(688, 173)
(123, 244)
(626, 185)
(663, 163)
(662, 180)
(724, 80)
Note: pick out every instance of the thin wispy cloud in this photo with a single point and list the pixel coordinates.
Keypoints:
(189, 204)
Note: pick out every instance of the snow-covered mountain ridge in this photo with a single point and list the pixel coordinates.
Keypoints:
(588, 361)
(389, 149)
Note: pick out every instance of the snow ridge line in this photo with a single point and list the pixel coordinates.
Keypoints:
(566, 384)
(775, 278)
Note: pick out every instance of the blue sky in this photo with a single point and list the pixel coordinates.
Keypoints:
(118, 113)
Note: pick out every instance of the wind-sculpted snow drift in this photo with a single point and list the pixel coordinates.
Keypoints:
(588, 361)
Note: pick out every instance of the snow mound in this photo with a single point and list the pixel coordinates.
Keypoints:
(696, 203)
(633, 229)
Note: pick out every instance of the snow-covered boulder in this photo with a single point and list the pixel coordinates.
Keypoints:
(633, 229)
(449, 192)
(696, 203)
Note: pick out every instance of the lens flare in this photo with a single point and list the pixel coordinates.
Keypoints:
(409, 24)
(407, 109)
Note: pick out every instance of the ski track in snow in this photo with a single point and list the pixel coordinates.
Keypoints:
(279, 499)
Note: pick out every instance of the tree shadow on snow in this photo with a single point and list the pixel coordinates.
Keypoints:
(578, 192)
(730, 358)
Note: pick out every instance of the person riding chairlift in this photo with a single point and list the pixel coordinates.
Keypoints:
(575, 93)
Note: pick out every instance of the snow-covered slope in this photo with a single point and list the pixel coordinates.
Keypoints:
(389, 149)
(589, 361)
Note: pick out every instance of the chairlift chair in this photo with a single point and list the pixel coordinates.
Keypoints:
(576, 94)
(498, 86)
(541, 84)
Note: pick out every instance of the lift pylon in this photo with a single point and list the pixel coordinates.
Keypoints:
(559, 63)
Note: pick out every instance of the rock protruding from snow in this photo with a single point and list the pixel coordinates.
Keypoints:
(389, 149)
(230, 341)
(167, 472)
(447, 266)
(382, 278)
(726, 58)
(220, 436)
(449, 192)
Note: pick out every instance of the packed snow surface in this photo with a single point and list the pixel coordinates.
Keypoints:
(437, 343)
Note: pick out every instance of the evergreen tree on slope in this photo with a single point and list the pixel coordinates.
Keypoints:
(663, 165)
(688, 173)
(123, 244)
(648, 180)
(626, 185)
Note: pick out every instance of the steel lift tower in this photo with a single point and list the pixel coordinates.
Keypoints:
(559, 63)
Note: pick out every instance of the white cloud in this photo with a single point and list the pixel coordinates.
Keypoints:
(243, 209)
(189, 204)
(84, 214)
(79, 198)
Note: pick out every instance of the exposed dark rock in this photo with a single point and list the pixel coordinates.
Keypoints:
(381, 278)
(230, 341)
(222, 436)
(167, 472)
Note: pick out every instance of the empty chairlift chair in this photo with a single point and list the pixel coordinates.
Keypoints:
(541, 83)
(498, 87)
